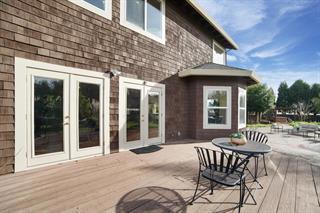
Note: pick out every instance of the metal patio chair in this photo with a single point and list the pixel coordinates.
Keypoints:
(221, 168)
(258, 137)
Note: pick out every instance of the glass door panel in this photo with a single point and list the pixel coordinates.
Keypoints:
(89, 115)
(133, 124)
(48, 116)
(153, 114)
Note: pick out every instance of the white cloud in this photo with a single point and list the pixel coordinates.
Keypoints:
(268, 53)
(231, 58)
(259, 40)
(236, 15)
(293, 6)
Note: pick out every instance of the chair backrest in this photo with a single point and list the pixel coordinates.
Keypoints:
(219, 161)
(255, 136)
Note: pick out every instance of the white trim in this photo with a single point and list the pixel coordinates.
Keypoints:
(125, 83)
(206, 90)
(106, 13)
(242, 92)
(125, 23)
(21, 127)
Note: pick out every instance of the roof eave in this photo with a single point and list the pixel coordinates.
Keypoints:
(218, 72)
(212, 22)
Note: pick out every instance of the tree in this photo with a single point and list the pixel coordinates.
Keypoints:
(299, 92)
(315, 91)
(316, 104)
(283, 97)
(259, 99)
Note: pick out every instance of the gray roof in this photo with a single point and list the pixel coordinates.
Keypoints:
(212, 69)
(217, 66)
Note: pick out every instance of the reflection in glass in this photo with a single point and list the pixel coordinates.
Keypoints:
(242, 101)
(154, 19)
(217, 98)
(48, 115)
(98, 3)
(153, 125)
(135, 12)
(217, 116)
(242, 116)
(89, 115)
(133, 114)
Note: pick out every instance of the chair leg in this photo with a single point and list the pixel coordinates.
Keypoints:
(211, 188)
(242, 194)
(256, 166)
(264, 163)
(240, 200)
(195, 192)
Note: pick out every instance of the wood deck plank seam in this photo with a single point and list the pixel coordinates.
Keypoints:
(315, 185)
(285, 177)
(269, 186)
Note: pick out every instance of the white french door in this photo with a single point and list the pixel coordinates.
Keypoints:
(86, 116)
(66, 114)
(48, 117)
(141, 113)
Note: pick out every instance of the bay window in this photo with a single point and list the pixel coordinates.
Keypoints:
(216, 107)
(100, 7)
(145, 17)
(242, 111)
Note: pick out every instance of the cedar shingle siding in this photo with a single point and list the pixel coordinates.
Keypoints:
(60, 32)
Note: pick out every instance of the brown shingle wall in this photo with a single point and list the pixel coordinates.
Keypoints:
(59, 32)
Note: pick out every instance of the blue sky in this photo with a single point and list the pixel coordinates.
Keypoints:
(280, 39)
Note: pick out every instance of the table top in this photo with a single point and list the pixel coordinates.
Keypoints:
(250, 147)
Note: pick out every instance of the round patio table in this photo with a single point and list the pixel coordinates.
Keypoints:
(251, 148)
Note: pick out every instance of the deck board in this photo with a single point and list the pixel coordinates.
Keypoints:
(164, 180)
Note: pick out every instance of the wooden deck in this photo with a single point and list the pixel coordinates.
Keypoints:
(161, 181)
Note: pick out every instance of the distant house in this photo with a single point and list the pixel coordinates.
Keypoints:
(81, 78)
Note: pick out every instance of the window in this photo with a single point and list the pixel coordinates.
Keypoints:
(218, 54)
(145, 17)
(216, 107)
(100, 7)
(242, 111)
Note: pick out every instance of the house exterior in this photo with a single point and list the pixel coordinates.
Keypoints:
(82, 78)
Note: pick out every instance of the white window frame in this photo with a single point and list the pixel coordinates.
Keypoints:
(106, 13)
(214, 53)
(206, 90)
(125, 23)
(242, 92)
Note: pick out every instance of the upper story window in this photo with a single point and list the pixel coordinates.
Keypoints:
(216, 107)
(242, 110)
(218, 54)
(100, 7)
(144, 16)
